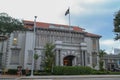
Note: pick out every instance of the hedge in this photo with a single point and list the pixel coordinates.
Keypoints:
(71, 70)
(14, 71)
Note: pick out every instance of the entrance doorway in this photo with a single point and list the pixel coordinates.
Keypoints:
(68, 60)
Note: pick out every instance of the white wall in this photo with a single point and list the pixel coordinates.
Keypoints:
(28, 46)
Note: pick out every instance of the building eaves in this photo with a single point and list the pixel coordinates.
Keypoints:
(92, 35)
(29, 24)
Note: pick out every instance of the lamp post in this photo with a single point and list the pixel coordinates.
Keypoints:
(32, 69)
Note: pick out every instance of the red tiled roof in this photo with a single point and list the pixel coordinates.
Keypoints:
(38, 24)
(75, 28)
(92, 35)
(30, 24)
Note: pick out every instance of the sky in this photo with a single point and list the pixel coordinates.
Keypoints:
(96, 16)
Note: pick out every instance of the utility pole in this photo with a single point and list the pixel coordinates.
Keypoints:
(34, 34)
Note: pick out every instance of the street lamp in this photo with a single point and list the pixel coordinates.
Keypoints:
(32, 69)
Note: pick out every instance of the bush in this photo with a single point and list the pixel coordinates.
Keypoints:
(12, 71)
(100, 72)
(71, 70)
(114, 73)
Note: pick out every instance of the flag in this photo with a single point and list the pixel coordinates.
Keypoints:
(67, 12)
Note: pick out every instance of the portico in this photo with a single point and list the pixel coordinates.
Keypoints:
(69, 54)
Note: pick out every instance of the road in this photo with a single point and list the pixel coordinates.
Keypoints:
(69, 79)
(89, 79)
(73, 77)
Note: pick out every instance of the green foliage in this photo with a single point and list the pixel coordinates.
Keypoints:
(36, 56)
(67, 70)
(71, 70)
(117, 25)
(101, 65)
(42, 73)
(114, 73)
(101, 54)
(100, 72)
(9, 24)
(12, 71)
(49, 59)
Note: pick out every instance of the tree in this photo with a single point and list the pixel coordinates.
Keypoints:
(49, 57)
(36, 56)
(117, 25)
(9, 24)
(101, 55)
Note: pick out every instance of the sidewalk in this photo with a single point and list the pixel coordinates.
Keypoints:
(10, 76)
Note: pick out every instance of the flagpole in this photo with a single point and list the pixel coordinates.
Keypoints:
(70, 25)
(32, 69)
(69, 17)
(66, 13)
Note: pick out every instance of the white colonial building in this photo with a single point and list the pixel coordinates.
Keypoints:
(73, 46)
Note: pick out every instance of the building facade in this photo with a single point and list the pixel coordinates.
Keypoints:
(73, 46)
(116, 51)
(111, 62)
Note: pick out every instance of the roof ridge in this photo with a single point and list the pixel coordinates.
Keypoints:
(54, 24)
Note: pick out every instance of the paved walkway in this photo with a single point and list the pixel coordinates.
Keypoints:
(9, 76)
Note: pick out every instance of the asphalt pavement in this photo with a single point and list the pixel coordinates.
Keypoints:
(72, 77)
(61, 77)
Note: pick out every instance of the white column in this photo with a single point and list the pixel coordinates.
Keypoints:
(61, 59)
(57, 58)
(82, 63)
(74, 62)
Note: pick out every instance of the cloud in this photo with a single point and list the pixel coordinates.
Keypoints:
(84, 6)
(109, 44)
(48, 10)
(51, 10)
(94, 7)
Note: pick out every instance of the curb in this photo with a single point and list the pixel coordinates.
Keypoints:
(70, 77)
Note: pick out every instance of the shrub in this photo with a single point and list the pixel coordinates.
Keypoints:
(12, 71)
(71, 70)
(100, 72)
(114, 73)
